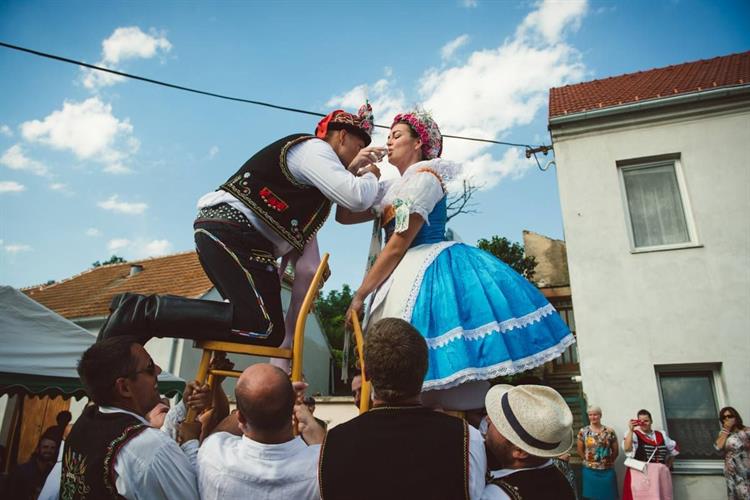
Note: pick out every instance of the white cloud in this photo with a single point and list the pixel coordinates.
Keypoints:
(61, 187)
(17, 248)
(491, 92)
(113, 204)
(140, 248)
(11, 187)
(93, 232)
(551, 18)
(155, 247)
(15, 159)
(118, 244)
(89, 130)
(117, 169)
(451, 47)
(213, 152)
(470, 3)
(124, 43)
(6, 131)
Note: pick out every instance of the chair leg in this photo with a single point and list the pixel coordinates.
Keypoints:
(201, 377)
(364, 397)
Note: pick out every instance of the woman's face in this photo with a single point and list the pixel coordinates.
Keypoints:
(595, 417)
(403, 149)
(645, 423)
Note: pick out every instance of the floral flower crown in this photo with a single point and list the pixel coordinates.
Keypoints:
(426, 128)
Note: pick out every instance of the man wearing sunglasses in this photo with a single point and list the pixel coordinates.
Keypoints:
(112, 450)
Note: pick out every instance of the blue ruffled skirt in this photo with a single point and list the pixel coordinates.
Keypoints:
(479, 317)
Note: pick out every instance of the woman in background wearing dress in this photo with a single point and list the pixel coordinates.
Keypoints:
(597, 446)
(734, 443)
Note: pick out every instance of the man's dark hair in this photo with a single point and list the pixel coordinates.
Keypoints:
(645, 412)
(395, 359)
(63, 418)
(268, 414)
(103, 363)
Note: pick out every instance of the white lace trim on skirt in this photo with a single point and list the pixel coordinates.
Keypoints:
(484, 330)
(508, 367)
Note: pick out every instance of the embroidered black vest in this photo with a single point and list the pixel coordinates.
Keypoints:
(536, 484)
(413, 452)
(646, 447)
(88, 467)
(265, 185)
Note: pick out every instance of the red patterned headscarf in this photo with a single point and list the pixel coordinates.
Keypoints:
(360, 124)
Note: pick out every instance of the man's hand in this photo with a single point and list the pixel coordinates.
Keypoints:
(365, 161)
(299, 391)
(196, 396)
(310, 430)
(188, 431)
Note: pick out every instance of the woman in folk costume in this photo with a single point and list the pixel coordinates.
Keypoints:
(479, 317)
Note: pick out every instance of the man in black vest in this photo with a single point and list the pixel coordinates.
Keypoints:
(112, 451)
(405, 450)
(529, 425)
(273, 206)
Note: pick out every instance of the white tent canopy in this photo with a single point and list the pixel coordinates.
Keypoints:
(39, 350)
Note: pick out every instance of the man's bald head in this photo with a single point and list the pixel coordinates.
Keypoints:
(265, 398)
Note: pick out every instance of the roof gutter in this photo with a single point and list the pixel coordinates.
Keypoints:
(657, 102)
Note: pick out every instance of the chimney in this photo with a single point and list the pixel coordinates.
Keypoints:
(135, 269)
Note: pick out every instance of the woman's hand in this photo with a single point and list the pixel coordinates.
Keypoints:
(356, 307)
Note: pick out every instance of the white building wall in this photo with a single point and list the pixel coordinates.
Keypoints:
(687, 306)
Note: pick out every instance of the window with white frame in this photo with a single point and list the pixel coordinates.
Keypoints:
(656, 204)
(691, 407)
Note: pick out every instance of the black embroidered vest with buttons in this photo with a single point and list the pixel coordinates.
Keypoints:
(88, 466)
(536, 484)
(265, 185)
(646, 447)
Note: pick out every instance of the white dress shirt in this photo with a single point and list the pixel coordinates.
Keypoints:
(149, 466)
(477, 464)
(236, 467)
(493, 492)
(313, 163)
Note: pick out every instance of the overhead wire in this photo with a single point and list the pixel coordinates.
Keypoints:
(529, 150)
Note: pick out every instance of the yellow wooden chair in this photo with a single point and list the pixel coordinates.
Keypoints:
(205, 373)
(364, 397)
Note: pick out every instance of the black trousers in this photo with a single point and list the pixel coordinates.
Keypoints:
(239, 262)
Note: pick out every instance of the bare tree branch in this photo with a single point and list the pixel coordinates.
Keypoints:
(461, 203)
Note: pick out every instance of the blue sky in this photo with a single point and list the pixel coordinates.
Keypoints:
(91, 168)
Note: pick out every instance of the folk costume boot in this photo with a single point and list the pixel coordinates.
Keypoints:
(147, 316)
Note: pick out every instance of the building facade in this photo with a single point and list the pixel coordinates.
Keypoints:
(654, 186)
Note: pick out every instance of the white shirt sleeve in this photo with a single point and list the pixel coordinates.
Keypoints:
(153, 467)
(314, 163)
(477, 464)
(51, 489)
(175, 415)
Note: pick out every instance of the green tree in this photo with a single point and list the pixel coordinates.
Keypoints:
(331, 310)
(112, 260)
(511, 253)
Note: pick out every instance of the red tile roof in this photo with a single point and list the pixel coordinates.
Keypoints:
(652, 84)
(89, 293)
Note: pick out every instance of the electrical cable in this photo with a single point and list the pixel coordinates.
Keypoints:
(530, 150)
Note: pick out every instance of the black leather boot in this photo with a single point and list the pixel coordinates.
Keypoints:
(147, 316)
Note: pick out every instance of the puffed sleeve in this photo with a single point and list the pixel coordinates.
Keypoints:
(671, 444)
(418, 194)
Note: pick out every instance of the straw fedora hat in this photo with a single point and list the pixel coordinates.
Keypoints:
(533, 417)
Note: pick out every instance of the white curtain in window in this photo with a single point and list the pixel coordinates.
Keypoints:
(655, 206)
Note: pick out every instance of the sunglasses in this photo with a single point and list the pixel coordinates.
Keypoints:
(727, 416)
(150, 369)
